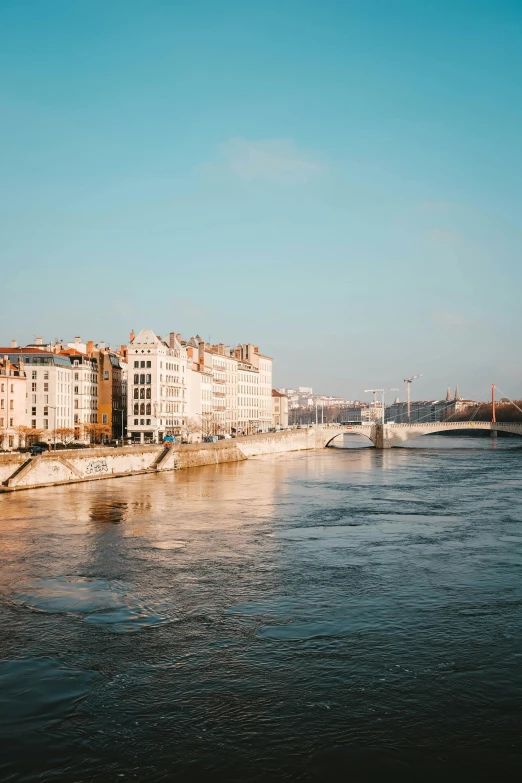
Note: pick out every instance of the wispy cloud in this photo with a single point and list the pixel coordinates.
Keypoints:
(450, 320)
(278, 161)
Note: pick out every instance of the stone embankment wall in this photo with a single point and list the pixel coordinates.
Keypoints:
(19, 471)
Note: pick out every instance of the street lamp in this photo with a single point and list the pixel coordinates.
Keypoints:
(383, 391)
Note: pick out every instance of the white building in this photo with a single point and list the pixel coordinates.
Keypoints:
(48, 386)
(84, 369)
(248, 398)
(157, 386)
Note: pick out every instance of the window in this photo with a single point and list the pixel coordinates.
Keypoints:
(136, 409)
(105, 375)
(76, 403)
(46, 411)
(33, 411)
(142, 409)
(148, 409)
(46, 387)
(142, 394)
(105, 418)
(33, 387)
(148, 393)
(33, 375)
(1, 422)
(149, 364)
(136, 378)
(33, 424)
(135, 422)
(11, 438)
(46, 375)
(46, 424)
(136, 393)
(142, 364)
(11, 406)
(76, 389)
(148, 421)
(142, 378)
(2, 404)
(148, 379)
(75, 376)
(46, 399)
(136, 364)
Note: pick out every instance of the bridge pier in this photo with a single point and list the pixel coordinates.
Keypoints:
(381, 438)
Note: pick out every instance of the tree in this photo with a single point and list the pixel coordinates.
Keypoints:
(190, 428)
(209, 425)
(22, 433)
(97, 433)
(30, 434)
(64, 435)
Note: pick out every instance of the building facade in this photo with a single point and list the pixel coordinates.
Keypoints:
(279, 410)
(157, 386)
(48, 387)
(13, 390)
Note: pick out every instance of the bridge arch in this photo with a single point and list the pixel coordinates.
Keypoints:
(395, 434)
(367, 432)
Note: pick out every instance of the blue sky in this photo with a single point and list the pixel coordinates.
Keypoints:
(337, 181)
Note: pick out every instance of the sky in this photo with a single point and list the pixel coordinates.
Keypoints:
(337, 181)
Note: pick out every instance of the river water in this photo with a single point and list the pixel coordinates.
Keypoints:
(344, 614)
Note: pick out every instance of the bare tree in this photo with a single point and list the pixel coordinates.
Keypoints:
(97, 433)
(191, 428)
(23, 432)
(209, 425)
(64, 435)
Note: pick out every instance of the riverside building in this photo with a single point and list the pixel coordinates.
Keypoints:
(48, 379)
(157, 386)
(12, 403)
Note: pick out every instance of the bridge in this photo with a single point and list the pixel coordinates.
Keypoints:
(385, 436)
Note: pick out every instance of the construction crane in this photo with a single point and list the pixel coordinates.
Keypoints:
(383, 392)
(408, 387)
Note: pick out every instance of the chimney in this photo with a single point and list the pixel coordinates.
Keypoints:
(77, 339)
(14, 344)
(201, 353)
(38, 341)
(131, 336)
(178, 336)
(172, 339)
(90, 346)
(101, 346)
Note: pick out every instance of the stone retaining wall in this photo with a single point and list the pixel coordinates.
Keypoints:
(20, 471)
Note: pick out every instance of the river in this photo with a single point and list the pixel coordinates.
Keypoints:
(344, 614)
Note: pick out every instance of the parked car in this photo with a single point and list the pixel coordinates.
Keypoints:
(36, 449)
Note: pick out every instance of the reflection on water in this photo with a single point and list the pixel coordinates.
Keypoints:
(345, 614)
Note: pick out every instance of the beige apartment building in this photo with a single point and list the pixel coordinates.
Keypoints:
(279, 410)
(13, 403)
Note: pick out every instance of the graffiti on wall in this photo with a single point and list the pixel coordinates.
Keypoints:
(97, 466)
